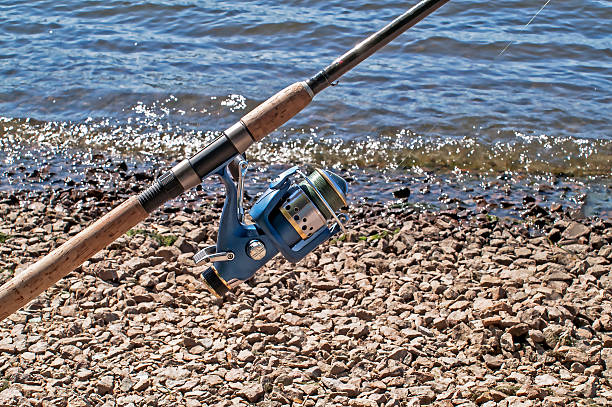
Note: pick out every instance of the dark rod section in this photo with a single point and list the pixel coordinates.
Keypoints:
(372, 44)
(168, 187)
(212, 156)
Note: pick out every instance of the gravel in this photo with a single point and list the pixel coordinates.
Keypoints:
(410, 307)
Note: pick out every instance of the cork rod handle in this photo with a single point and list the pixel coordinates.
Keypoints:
(28, 284)
(275, 111)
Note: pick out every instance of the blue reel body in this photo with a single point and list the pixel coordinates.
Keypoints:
(242, 248)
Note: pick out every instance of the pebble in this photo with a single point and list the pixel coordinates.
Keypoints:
(252, 392)
(546, 380)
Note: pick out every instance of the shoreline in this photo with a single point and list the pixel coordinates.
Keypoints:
(501, 194)
(418, 306)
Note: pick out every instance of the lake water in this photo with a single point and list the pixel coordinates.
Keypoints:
(155, 78)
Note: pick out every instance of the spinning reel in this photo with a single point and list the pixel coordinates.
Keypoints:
(290, 218)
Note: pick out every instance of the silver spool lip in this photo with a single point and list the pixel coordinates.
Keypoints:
(322, 198)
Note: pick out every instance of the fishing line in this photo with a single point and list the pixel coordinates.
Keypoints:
(524, 27)
(435, 126)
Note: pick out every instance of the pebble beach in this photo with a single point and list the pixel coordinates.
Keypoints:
(410, 307)
(476, 269)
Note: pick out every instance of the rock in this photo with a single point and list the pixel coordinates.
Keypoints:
(11, 396)
(142, 384)
(197, 235)
(493, 362)
(554, 235)
(490, 281)
(402, 193)
(267, 328)
(503, 260)
(235, 375)
(184, 245)
(213, 380)
(536, 336)
(552, 334)
(135, 264)
(518, 330)
(105, 385)
(546, 380)
(531, 392)
(363, 402)
(346, 389)
(252, 392)
(174, 373)
(599, 270)
(445, 307)
(507, 342)
(246, 355)
(126, 384)
(576, 355)
(28, 356)
(575, 230)
(588, 389)
(168, 253)
(492, 321)
(107, 273)
(398, 354)
(456, 317)
(425, 393)
(337, 368)
(358, 330)
(84, 374)
(440, 323)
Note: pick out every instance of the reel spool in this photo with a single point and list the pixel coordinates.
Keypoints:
(290, 218)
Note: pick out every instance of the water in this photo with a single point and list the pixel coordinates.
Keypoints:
(163, 78)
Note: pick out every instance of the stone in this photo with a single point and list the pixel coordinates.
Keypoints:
(506, 341)
(456, 317)
(235, 375)
(126, 384)
(358, 330)
(576, 355)
(575, 230)
(105, 385)
(518, 330)
(245, 355)
(84, 374)
(11, 396)
(337, 368)
(363, 402)
(142, 383)
(493, 362)
(135, 264)
(589, 388)
(346, 389)
(174, 373)
(490, 281)
(213, 380)
(168, 253)
(599, 270)
(546, 380)
(536, 336)
(252, 392)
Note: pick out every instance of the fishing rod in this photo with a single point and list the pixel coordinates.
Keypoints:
(290, 218)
